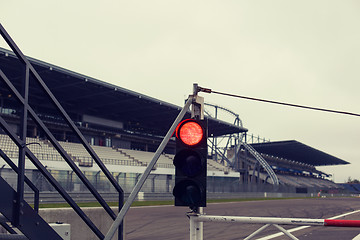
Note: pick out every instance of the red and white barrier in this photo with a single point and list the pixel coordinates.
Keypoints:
(281, 221)
(341, 223)
(268, 221)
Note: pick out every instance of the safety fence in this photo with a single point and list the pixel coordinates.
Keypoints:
(156, 183)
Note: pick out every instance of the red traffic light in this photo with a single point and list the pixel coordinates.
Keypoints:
(190, 164)
(190, 132)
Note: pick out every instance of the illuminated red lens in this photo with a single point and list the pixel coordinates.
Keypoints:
(191, 133)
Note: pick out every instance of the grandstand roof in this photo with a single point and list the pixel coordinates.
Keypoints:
(297, 151)
(81, 94)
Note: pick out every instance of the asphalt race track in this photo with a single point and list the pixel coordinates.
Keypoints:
(169, 222)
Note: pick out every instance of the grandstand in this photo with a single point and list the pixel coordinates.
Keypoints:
(352, 187)
(124, 128)
(294, 164)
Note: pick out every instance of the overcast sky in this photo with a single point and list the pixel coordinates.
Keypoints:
(304, 52)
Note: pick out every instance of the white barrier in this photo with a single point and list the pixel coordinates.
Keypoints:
(196, 231)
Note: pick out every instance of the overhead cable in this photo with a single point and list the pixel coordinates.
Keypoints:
(207, 90)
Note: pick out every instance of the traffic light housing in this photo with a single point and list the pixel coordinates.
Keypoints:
(190, 164)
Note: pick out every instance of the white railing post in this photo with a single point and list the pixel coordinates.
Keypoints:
(192, 227)
(196, 227)
(200, 226)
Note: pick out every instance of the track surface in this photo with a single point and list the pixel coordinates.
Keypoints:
(168, 222)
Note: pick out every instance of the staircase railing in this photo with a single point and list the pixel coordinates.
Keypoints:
(24, 151)
(263, 163)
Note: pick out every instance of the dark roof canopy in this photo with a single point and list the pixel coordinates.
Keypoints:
(80, 94)
(296, 151)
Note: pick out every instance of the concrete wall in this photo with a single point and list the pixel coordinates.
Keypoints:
(78, 229)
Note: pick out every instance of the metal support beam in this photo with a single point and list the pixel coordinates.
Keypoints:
(57, 146)
(254, 234)
(286, 232)
(23, 150)
(146, 173)
(66, 117)
(21, 162)
(263, 163)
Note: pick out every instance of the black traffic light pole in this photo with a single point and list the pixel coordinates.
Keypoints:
(191, 158)
(191, 100)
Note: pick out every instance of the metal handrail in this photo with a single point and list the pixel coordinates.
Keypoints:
(31, 70)
(263, 163)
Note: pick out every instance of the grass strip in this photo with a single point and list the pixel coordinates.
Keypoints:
(153, 203)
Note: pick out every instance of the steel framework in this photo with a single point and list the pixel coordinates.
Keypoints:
(18, 218)
(219, 153)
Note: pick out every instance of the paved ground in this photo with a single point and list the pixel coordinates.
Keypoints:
(168, 222)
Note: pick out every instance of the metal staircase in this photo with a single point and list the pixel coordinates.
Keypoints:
(263, 162)
(13, 207)
(31, 224)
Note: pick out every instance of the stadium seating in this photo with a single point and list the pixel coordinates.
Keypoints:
(41, 149)
(284, 179)
(44, 151)
(106, 154)
(144, 158)
(352, 187)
